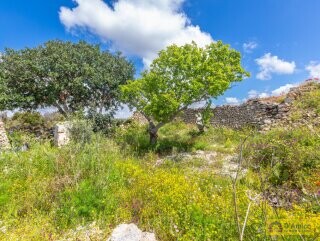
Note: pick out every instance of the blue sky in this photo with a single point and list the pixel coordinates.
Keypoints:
(278, 39)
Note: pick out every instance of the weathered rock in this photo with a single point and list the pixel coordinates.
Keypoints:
(139, 118)
(130, 232)
(62, 134)
(267, 121)
(4, 141)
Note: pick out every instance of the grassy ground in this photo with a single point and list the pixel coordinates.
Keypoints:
(87, 189)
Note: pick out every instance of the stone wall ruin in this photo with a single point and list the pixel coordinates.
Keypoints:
(259, 113)
(4, 141)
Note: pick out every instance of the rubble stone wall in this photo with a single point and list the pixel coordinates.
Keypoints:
(260, 113)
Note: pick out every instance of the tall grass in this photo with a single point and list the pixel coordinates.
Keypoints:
(46, 192)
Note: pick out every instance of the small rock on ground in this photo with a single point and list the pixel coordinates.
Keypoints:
(130, 232)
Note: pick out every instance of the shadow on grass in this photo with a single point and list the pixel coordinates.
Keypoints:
(177, 137)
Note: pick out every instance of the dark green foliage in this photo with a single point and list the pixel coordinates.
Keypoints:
(68, 76)
(103, 123)
(86, 201)
(29, 118)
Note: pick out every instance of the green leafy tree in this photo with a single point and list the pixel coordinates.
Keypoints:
(181, 76)
(3, 92)
(68, 76)
(7, 98)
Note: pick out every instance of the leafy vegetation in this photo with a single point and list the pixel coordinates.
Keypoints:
(177, 137)
(221, 184)
(311, 100)
(65, 75)
(181, 76)
(47, 193)
(291, 155)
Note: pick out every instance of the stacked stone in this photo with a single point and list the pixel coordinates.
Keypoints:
(139, 118)
(252, 113)
(4, 141)
(255, 112)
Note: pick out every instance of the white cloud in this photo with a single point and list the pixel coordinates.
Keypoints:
(256, 94)
(263, 95)
(253, 94)
(135, 27)
(269, 65)
(124, 112)
(200, 104)
(248, 47)
(283, 89)
(279, 91)
(314, 69)
(232, 101)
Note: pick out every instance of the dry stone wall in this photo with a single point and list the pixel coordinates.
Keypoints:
(259, 113)
(252, 113)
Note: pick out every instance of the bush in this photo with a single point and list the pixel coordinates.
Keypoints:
(29, 119)
(30, 123)
(104, 123)
(133, 136)
(288, 155)
(81, 131)
(311, 99)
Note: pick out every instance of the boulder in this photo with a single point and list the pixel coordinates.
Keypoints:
(130, 232)
(4, 141)
(62, 134)
(139, 118)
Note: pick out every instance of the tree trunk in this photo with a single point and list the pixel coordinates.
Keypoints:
(61, 110)
(153, 133)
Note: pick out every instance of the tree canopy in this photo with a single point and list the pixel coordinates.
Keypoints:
(181, 76)
(69, 76)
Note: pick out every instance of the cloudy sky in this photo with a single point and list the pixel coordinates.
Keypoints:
(279, 40)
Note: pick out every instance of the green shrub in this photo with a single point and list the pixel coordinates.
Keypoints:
(289, 155)
(29, 123)
(133, 136)
(310, 100)
(103, 123)
(28, 118)
(81, 131)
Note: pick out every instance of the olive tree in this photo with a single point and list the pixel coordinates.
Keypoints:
(69, 76)
(179, 77)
